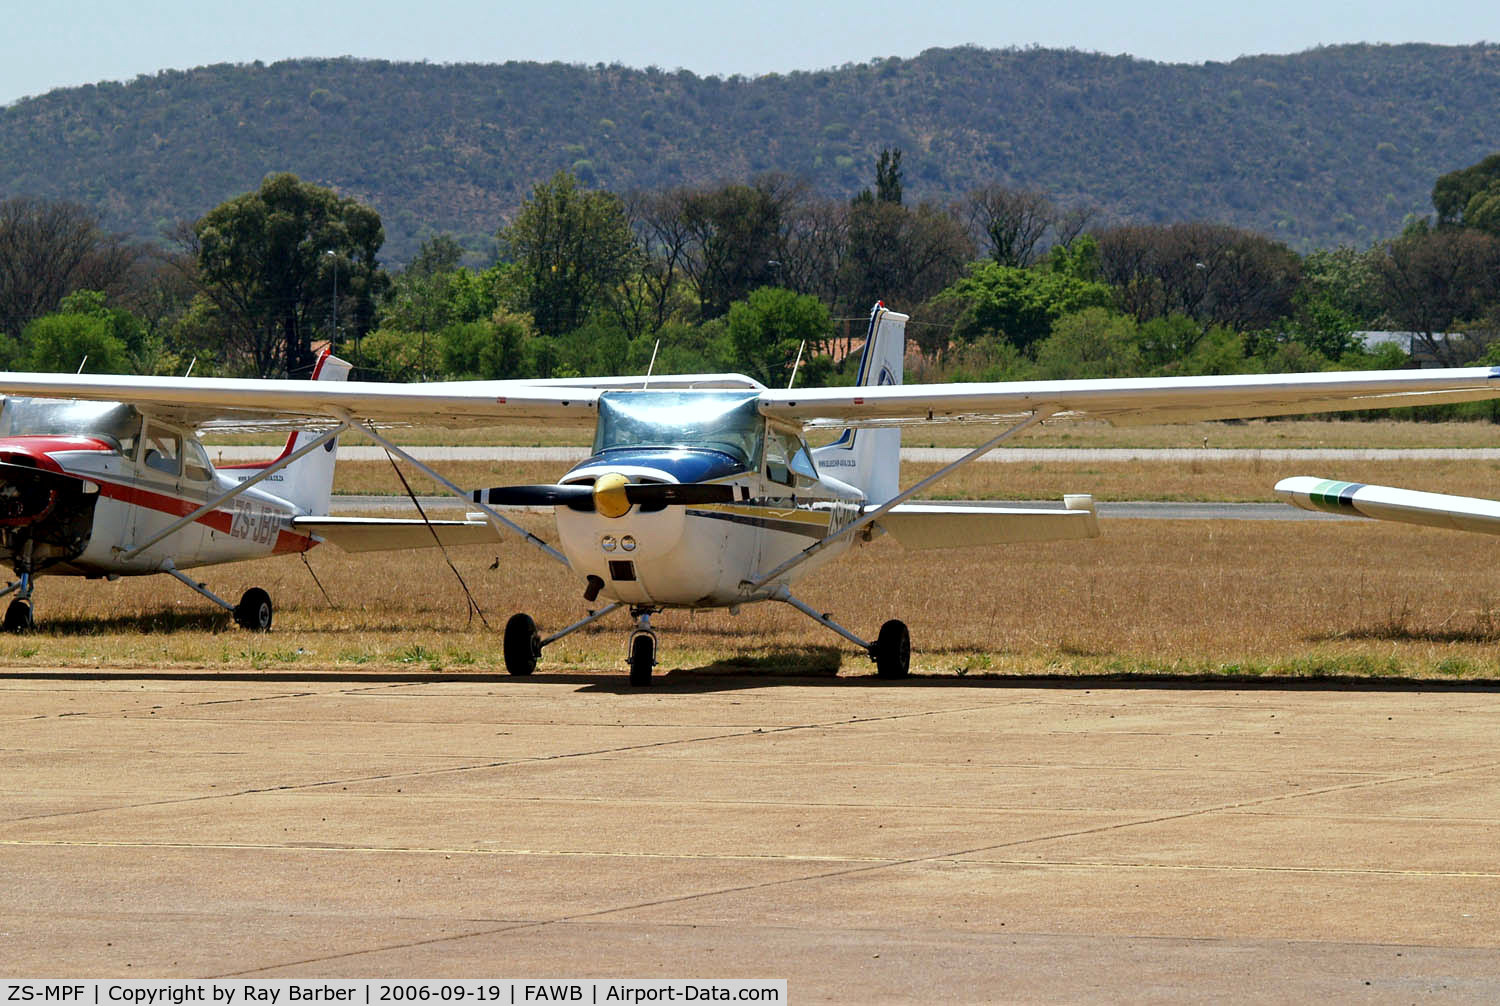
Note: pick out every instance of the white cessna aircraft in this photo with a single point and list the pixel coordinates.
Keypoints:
(704, 494)
(105, 489)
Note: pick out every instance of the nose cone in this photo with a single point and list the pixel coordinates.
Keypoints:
(609, 495)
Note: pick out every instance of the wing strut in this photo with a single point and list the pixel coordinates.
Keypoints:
(214, 504)
(865, 519)
(369, 430)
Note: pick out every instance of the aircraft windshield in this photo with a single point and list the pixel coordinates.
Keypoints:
(113, 422)
(724, 421)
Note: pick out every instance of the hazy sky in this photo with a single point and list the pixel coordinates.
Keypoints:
(61, 43)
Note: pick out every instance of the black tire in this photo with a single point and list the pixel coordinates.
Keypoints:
(254, 610)
(18, 616)
(642, 660)
(523, 645)
(892, 650)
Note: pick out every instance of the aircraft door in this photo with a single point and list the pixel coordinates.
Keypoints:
(157, 499)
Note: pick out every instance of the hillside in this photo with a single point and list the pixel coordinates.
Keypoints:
(1328, 146)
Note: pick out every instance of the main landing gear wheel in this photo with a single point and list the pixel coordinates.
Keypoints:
(523, 645)
(642, 659)
(892, 650)
(254, 610)
(18, 616)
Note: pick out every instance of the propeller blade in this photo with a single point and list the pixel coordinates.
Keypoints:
(574, 497)
(618, 495)
(662, 494)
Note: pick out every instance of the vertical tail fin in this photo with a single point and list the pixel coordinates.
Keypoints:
(870, 460)
(308, 481)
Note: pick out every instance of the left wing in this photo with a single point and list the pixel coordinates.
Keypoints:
(1132, 401)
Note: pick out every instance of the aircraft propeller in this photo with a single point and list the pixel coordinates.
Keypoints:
(612, 495)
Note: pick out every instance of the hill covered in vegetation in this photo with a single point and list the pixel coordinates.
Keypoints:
(1330, 146)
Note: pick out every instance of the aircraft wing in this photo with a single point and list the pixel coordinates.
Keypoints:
(1132, 401)
(1355, 499)
(198, 401)
(939, 525)
(383, 534)
(457, 403)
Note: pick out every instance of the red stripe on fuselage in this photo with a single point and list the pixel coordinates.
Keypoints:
(176, 506)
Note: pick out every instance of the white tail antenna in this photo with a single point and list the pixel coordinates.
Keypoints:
(795, 364)
(191, 363)
(82, 362)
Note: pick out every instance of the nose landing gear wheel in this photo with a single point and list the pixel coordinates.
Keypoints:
(254, 610)
(523, 645)
(18, 617)
(892, 650)
(642, 658)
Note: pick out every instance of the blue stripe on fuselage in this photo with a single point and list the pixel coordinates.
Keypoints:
(695, 465)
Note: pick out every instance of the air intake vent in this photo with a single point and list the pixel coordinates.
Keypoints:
(621, 570)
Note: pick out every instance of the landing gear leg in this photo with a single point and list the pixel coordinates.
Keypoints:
(891, 650)
(523, 644)
(642, 648)
(18, 615)
(253, 612)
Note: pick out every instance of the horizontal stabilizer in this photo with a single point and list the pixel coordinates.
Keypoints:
(380, 534)
(940, 525)
(1355, 499)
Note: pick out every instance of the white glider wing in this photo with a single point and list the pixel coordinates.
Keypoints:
(1132, 401)
(1355, 499)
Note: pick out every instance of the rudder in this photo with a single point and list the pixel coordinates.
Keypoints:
(870, 459)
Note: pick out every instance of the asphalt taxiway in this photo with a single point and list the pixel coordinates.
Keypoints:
(949, 840)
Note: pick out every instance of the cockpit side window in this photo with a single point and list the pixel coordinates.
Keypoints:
(195, 463)
(788, 460)
(163, 450)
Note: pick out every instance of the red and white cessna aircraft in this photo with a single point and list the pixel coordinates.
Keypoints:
(109, 489)
(701, 491)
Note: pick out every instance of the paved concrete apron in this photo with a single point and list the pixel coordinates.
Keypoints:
(936, 840)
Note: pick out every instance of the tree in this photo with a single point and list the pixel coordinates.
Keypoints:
(736, 233)
(900, 256)
(767, 329)
(268, 260)
(570, 247)
(1212, 273)
(1470, 197)
(1019, 304)
(1092, 343)
(47, 250)
(1010, 223)
(84, 336)
(1432, 281)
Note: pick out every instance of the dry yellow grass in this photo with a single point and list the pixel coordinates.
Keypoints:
(1150, 597)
